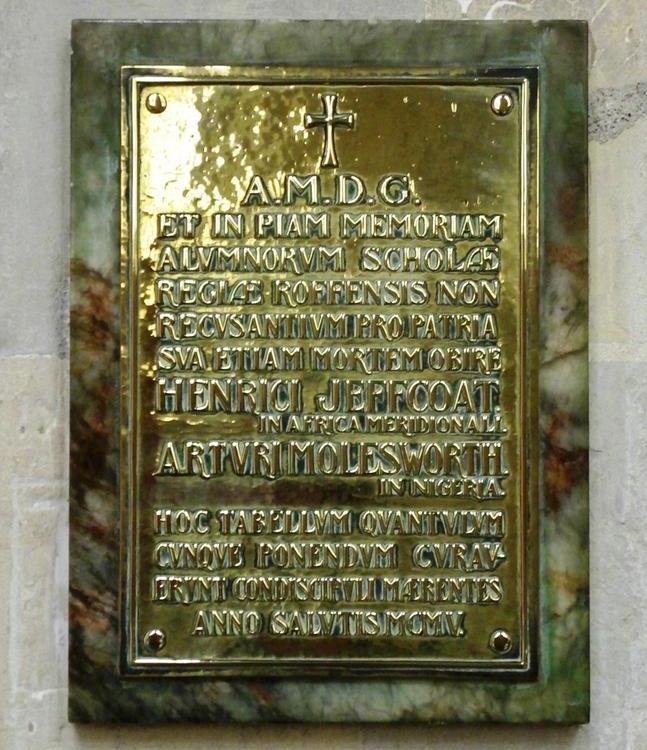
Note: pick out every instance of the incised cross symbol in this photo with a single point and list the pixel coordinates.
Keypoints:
(330, 119)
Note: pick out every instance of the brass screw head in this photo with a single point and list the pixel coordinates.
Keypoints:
(155, 103)
(500, 641)
(155, 639)
(502, 103)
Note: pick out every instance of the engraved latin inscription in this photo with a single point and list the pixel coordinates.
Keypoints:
(327, 363)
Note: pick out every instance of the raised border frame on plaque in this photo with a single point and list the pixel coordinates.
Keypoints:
(556, 684)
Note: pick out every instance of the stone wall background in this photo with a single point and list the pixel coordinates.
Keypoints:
(34, 204)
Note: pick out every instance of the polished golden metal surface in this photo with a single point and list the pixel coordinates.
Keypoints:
(328, 380)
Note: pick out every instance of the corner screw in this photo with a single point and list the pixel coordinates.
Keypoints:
(502, 103)
(155, 103)
(155, 639)
(500, 642)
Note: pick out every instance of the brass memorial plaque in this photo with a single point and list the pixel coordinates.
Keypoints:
(329, 377)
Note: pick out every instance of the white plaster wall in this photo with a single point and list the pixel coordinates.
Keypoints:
(34, 152)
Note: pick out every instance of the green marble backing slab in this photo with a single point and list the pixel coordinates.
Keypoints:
(560, 690)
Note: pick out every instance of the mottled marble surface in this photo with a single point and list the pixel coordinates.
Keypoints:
(97, 693)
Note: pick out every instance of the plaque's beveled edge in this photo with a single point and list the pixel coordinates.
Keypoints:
(96, 691)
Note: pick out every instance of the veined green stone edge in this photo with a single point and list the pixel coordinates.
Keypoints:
(97, 693)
